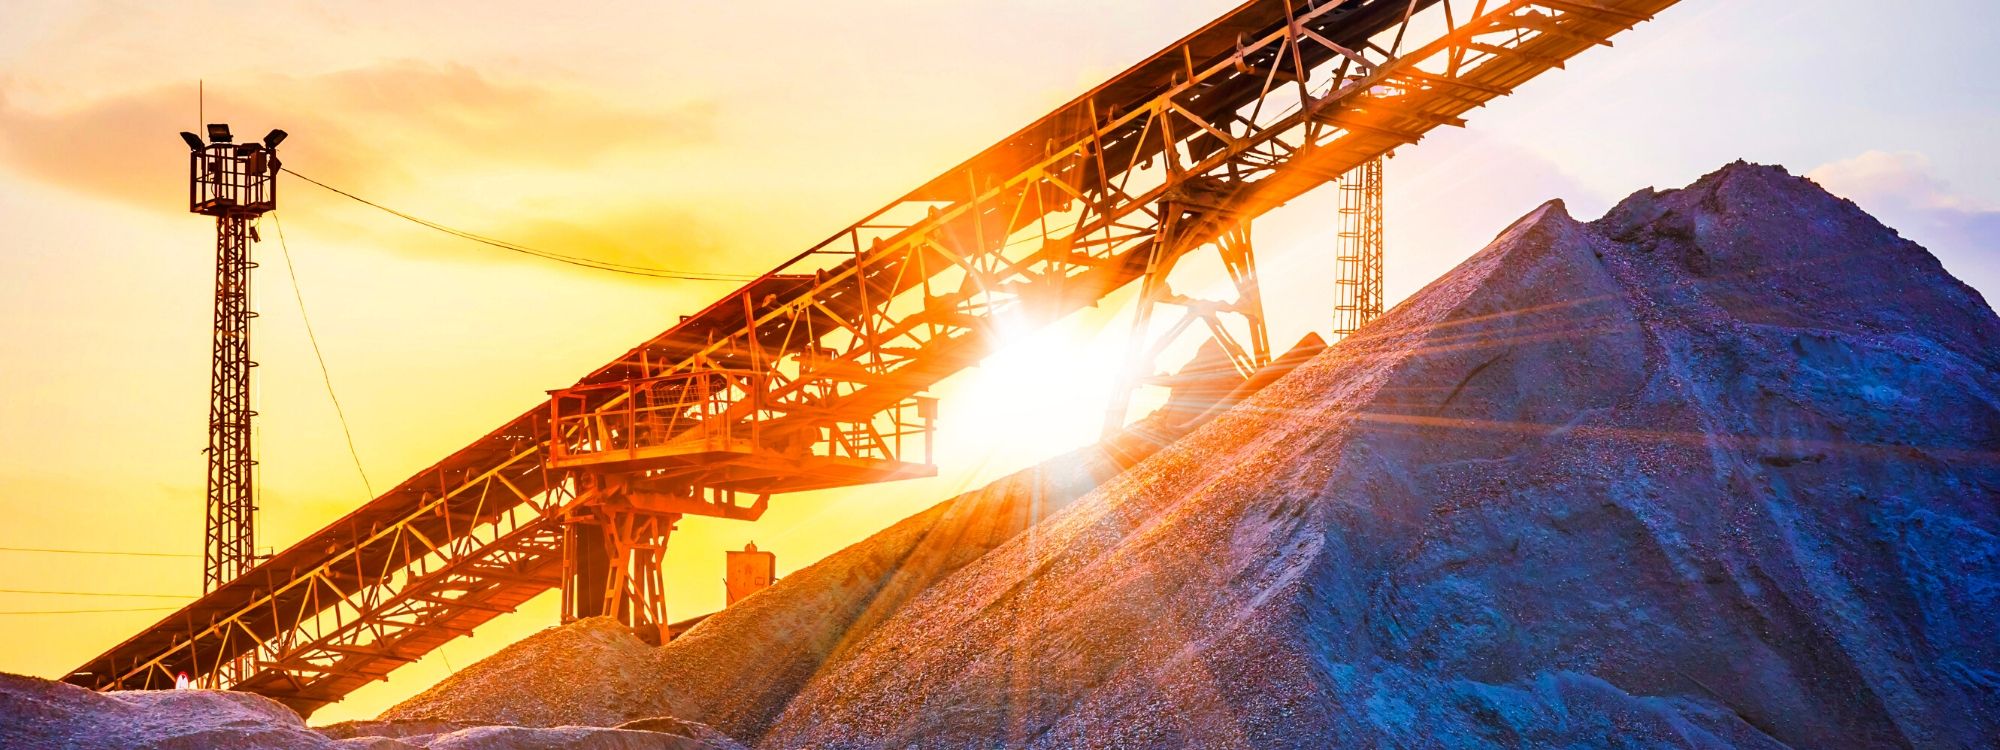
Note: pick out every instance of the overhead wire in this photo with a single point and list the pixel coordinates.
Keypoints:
(600, 265)
(117, 553)
(325, 375)
(84, 611)
(97, 593)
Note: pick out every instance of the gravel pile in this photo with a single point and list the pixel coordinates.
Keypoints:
(37, 713)
(591, 672)
(737, 669)
(1716, 470)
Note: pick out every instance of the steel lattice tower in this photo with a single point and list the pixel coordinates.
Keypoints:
(235, 183)
(231, 495)
(1359, 286)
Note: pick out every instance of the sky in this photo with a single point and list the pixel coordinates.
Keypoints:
(725, 137)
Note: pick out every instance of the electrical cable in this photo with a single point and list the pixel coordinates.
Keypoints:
(84, 611)
(97, 593)
(325, 375)
(573, 260)
(120, 553)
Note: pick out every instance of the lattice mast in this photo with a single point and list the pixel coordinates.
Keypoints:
(235, 183)
(1358, 288)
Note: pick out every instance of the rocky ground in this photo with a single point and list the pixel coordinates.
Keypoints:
(1716, 470)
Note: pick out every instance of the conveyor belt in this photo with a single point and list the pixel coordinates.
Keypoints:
(1266, 102)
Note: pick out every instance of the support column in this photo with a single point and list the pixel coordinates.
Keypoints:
(1358, 288)
(229, 547)
(612, 554)
(1247, 353)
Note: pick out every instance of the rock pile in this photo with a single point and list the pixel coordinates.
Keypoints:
(737, 669)
(1716, 470)
(41, 713)
(591, 672)
(37, 713)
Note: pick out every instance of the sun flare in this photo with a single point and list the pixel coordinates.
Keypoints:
(1038, 393)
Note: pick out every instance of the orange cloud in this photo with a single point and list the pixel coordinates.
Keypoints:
(355, 127)
(383, 130)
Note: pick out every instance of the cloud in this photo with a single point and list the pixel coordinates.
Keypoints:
(357, 127)
(499, 157)
(1902, 190)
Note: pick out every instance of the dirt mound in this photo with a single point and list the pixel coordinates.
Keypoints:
(568, 738)
(419, 730)
(737, 669)
(37, 713)
(588, 673)
(682, 728)
(1716, 470)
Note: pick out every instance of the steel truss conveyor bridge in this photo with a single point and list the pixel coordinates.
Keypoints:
(812, 375)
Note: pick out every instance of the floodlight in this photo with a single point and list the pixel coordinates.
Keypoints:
(218, 132)
(193, 141)
(273, 138)
(246, 149)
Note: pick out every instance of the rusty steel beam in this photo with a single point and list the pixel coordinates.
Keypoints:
(1269, 101)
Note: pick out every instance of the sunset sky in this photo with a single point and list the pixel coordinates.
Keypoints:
(725, 137)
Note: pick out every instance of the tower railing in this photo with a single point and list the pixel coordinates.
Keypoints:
(705, 421)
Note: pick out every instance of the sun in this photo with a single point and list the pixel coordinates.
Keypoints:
(1039, 393)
